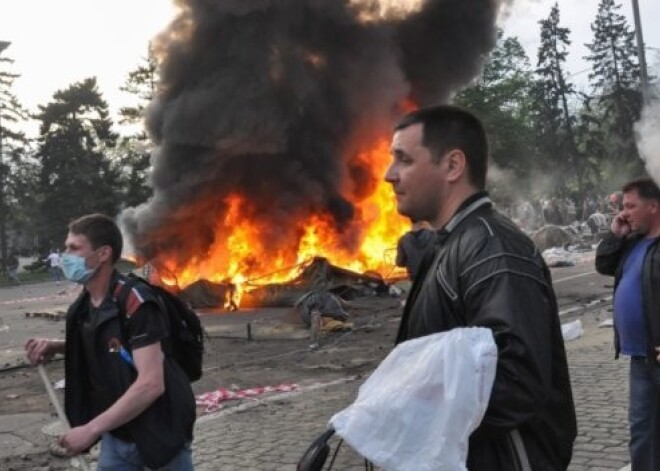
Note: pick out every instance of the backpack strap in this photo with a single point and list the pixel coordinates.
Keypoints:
(130, 282)
(124, 292)
(121, 300)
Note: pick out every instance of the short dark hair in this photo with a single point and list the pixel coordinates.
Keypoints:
(450, 127)
(100, 230)
(645, 187)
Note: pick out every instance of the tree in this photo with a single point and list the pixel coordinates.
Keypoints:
(591, 145)
(615, 80)
(76, 176)
(501, 99)
(554, 121)
(133, 157)
(13, 147)
(135, 150)
(141, 83)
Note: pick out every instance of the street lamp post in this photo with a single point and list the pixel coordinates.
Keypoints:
(3, 209)
(640, 51)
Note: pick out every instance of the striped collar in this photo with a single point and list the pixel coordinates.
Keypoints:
(469, 206)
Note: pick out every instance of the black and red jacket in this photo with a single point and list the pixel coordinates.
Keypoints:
(166, 425)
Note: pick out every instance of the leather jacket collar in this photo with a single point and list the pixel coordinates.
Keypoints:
(466, 208)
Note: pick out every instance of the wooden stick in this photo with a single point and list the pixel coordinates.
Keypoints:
(58, 408)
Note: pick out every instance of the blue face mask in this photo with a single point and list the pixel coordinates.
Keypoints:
(75, 269)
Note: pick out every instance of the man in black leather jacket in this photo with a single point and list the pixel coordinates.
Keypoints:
(631, 253)
(487, 273)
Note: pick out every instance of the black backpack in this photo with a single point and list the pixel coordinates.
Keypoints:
(186, 331)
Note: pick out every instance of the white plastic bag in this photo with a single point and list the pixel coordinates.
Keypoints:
(418, 409)
(572, 330)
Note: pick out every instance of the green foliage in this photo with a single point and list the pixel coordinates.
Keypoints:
(615, 79)
(135, 164)
(14, 148)
(140, 83)
(501, 99)
(135, 151)
(555, 123)
(14, 142)
(76, 177)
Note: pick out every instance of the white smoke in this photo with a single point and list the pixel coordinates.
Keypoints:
(647, 132)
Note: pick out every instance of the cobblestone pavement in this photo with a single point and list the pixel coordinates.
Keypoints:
(272, 435)
(600, 389)
(272, 432)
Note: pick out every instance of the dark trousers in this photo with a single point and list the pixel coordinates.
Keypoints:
(644, 414)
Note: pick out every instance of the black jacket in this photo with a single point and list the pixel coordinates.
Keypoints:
(611, 255)
(487, 273)
(412, 248)
(166, 425)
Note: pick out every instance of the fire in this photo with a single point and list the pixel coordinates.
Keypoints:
(240, 257)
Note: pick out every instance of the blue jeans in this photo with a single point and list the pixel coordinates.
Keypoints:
(644, 415)
(55, 272)
(118, 455)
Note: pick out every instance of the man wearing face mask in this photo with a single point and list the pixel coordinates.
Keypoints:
(121, 386)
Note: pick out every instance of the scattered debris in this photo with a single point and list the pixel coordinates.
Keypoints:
(572, 330)
(552, 236)
(323, 302)
(54, 316)
(396, 291)
(330, 324)
(559, 257)
(315, 329)
(607, 323)
(212, 401)
(318, 275)
(205, 294)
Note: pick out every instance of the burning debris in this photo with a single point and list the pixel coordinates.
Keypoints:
(272, 123)
(317, 276)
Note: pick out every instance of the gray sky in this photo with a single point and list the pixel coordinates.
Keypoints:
(57, 42)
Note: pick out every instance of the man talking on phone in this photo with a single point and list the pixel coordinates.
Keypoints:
(631, 253)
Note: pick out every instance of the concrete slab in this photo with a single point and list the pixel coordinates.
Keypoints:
(12, 423)
(12, 445)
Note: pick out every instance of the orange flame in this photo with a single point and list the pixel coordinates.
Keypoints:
(241, 258)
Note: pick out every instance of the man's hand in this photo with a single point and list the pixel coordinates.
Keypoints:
(620, 227)
(78, 439)
(40, 350)
(657, 350)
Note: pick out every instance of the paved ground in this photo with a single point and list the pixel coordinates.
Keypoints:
(271, 433)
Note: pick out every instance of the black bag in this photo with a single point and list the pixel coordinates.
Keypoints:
(317, 454)
(186, 338)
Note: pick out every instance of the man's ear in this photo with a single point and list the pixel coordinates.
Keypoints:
(456, 165)
(106, 253)
(654, 206)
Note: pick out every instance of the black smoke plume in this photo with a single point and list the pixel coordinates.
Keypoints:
(274, 99)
